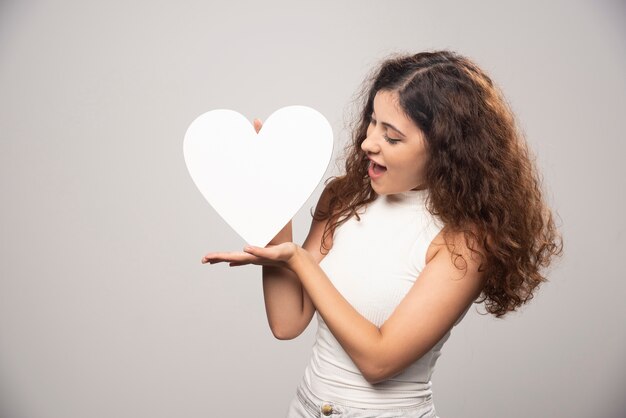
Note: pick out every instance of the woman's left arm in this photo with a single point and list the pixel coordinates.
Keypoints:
(441, 293)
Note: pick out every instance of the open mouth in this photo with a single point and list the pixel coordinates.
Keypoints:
(375, 168)
(378, 168)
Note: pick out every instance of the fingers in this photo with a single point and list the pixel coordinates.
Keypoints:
(212, 258)
(257, 124)
(215, 258)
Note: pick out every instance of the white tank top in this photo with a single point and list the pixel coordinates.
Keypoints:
(373, 263)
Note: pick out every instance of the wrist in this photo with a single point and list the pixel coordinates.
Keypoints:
(296, 259)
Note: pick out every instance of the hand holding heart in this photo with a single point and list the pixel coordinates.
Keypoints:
(281, 255)
(257, 181)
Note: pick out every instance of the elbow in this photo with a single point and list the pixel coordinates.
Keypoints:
(283, 333)
(371, 379)
(378, 370)
(283, 336)
(375, 373)
(288, 329)
(375, 378)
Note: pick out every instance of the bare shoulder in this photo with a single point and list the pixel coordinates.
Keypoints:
(453, 272)
(456, 240)
(435, 245)
(313, 241)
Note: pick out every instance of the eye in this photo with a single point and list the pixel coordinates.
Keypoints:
(391, 140)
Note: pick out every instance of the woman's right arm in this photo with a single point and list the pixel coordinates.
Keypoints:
(288, 310)
(288, 306)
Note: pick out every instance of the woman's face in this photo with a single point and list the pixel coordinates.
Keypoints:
(394, 141)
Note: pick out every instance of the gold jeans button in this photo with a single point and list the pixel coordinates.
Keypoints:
(327, 409)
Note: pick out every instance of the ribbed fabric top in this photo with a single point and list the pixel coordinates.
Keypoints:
(373, 263)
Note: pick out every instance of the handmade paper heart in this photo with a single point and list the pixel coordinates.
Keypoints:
(258, 182)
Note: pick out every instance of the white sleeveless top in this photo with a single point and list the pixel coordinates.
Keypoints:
(373, 263)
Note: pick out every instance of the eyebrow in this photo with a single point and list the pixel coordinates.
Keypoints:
(388, 125)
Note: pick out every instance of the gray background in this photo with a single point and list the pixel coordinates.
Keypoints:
(105, 308)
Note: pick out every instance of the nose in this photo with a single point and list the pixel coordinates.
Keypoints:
(370, 146)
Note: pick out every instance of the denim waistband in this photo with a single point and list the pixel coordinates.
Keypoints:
(326, 407)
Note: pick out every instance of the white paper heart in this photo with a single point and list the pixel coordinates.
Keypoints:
(258, 182)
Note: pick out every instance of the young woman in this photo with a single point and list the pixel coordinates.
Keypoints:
(440, 206)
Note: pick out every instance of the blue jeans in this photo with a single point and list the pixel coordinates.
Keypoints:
(306, 405)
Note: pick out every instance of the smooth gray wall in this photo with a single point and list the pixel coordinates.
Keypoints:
(105, 308)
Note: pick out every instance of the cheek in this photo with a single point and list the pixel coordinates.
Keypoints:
(411, 166)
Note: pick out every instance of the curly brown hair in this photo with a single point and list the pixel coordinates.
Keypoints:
(481, 178)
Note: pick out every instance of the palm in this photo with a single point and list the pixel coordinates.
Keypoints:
(271, 255)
